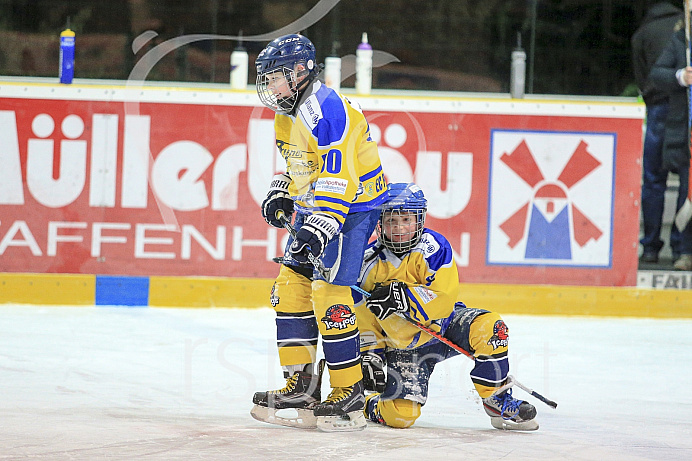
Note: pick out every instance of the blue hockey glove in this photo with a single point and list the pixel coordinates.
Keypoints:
(374, 378)
(313, 236)
(388, 299)
(277, 199)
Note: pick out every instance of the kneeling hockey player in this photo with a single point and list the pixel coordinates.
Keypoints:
(410, 270)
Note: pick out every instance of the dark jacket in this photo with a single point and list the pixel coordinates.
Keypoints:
(647, 44)
(676, 147)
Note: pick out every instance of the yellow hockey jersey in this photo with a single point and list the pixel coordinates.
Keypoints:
(333, 163)
(432, 281)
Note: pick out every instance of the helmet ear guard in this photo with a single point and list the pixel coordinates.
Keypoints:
(402, 219)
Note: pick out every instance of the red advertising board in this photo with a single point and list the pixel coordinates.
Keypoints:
(115, 183)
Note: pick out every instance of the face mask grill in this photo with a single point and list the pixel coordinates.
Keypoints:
(400, 230)
(277, 90)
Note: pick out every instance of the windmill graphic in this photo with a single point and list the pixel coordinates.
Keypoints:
(548, 222)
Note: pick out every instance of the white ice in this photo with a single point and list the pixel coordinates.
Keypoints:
(85, 383)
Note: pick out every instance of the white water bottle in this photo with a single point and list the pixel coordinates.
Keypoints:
(239, 62)
(517, 78)
(364, 66)
(332, 72)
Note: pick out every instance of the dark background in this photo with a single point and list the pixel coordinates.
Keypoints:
(580, 47)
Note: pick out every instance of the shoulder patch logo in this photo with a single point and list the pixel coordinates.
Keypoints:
(428, 244)
(311, 112)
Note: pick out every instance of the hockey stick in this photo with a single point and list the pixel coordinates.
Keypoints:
(281, 216)
(511, 380)
(530, 391)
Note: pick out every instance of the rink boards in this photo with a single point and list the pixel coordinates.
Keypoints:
(95, 290)
(131, 180)
(190, 235)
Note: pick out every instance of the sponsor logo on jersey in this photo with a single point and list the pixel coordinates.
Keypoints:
(311, 114)
(428, 245)
(289, 150)
(500, 337)
(273, 298)
(339, 316)
(424, 294)
(331, 185)
(301, 168)
(551, 198)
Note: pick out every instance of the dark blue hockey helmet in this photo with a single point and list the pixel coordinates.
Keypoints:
(403, 217)
(284, 69)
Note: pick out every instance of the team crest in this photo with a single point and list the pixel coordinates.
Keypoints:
(339, 316)
(370, 189)
(273, 297)
(500, 336)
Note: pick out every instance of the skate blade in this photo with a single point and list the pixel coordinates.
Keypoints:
(509, 425)
(300, 418)
(353, 421)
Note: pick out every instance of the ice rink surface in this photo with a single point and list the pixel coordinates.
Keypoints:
(84, 383)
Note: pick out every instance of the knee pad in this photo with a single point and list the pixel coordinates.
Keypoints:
(399, 413)
(291, 292)
(489, 335)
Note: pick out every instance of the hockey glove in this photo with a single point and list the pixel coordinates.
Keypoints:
(374, 378)
(313, 236)
(388, 299)
(277, 199)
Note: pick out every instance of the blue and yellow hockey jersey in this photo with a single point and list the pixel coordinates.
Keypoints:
(333, 163)
(432, 280)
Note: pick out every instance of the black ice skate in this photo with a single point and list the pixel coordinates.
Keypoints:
(301, 394)
(342, 410)
(509, 413)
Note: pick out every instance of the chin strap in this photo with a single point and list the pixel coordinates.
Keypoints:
(303, 86)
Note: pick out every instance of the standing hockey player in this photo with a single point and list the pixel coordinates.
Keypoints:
(334, 182)
(410, 270)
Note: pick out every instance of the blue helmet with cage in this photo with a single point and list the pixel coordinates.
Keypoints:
(402, 219)
(284, 69)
